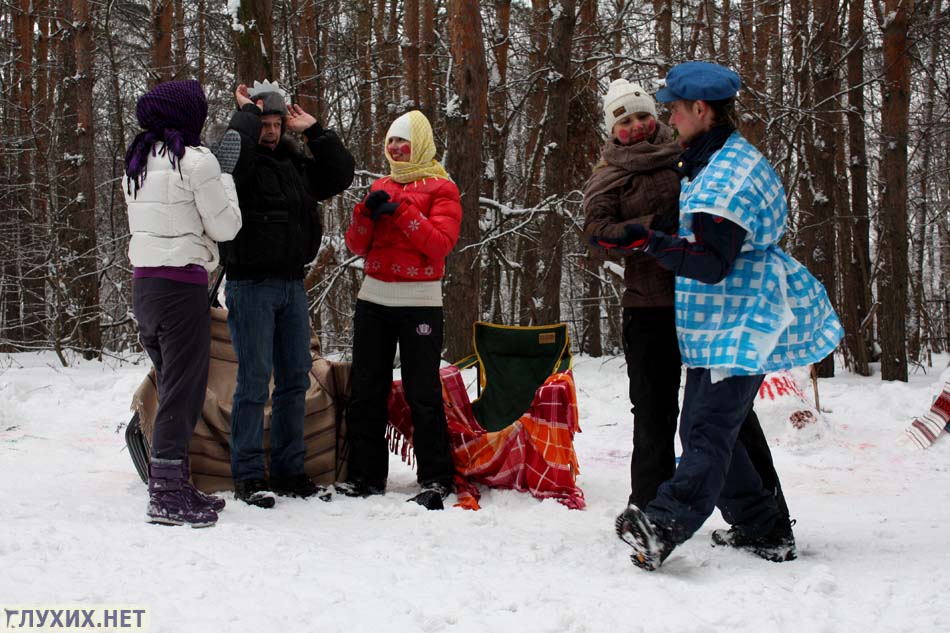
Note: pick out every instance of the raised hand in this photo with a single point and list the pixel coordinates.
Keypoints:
(297, 119)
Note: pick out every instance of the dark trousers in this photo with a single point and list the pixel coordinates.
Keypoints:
(715, 470)
(418, 332)
(175, 330)
(653, 369)
(269, 323)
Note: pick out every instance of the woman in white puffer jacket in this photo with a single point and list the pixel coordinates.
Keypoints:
(179, 206)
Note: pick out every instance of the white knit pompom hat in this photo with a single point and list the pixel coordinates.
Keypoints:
(624, 98)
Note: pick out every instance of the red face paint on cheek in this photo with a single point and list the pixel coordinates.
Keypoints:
(623, 135)
(651, 127)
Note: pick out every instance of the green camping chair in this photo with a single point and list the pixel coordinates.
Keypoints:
(512, 362)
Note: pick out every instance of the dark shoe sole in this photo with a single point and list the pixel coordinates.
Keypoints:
(633, 529)
(174, 522)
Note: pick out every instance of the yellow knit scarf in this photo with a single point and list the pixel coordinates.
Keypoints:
(422, 163)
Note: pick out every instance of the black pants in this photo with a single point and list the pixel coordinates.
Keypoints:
(653, 367)
(418, 331)
(175, 330)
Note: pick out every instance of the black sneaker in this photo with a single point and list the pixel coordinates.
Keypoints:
(255, 492)
(299, 486)
(651, 543)
(432, 495)
(776, 545)
(358, 489)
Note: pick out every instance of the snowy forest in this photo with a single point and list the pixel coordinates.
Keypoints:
(849, 99)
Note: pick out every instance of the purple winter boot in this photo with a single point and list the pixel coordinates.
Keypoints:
(170, 502)
(215, 502)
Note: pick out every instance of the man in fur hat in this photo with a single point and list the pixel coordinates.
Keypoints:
(278, 189)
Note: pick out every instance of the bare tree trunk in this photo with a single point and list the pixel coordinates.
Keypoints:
(663, 10)
(181, 49)
(557, 166)
(162, 18)
(498, 132)
(825, 82)
(368, 151)
(84, 214)
(254, 43)
(202, 38)
(857, 274)
(617, 42)
(527, 278)
(928, 201)
(470, 84)
(892, 281)
(427, 62)
(309, 89)
(410, 50)
(725, 23)
(585, 113)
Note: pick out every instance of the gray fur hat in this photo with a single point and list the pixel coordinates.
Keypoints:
(271, 94)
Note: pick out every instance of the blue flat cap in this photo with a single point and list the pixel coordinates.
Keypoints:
(699, 81)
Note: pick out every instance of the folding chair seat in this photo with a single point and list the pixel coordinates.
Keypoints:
(519, 433)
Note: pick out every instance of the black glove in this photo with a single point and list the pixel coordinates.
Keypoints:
(636, 237)
(374, 199)
(386, 208)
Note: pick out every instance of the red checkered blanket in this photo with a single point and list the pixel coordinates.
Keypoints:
(534, 454)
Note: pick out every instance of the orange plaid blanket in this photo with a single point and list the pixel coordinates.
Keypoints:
(534, 454)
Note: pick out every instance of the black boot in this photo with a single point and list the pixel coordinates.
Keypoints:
(776, 545)
(358, 488)
(299, 486)
(432, 495)
(651, 543)
(254, 492)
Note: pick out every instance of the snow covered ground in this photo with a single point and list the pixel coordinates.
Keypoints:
(873, 517)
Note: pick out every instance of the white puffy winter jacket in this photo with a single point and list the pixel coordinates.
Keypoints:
(177, 218)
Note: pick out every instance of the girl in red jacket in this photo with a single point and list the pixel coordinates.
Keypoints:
(404, 228)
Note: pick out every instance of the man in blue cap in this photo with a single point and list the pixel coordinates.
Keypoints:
(743, 308)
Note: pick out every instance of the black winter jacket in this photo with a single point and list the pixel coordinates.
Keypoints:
(278, 191)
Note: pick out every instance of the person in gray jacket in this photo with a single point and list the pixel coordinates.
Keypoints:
(179, 206)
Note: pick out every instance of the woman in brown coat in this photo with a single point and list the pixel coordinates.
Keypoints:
(636, 182)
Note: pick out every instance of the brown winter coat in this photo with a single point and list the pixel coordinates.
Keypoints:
(636, 184)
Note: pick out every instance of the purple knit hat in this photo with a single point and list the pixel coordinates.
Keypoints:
(172, 112)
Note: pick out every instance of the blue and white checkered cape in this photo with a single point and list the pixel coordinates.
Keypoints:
(769, 313)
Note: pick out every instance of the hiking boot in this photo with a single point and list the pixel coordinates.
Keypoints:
(358, 488)
(651, 543)
(432, 496)
(169, 500)
(255, 492)
(776, 545)
(215, 502)
(299, 486)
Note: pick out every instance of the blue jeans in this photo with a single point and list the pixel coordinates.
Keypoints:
(270, 330)
(715, 469)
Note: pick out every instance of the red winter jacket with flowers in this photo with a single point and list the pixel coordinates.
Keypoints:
(411, 244)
